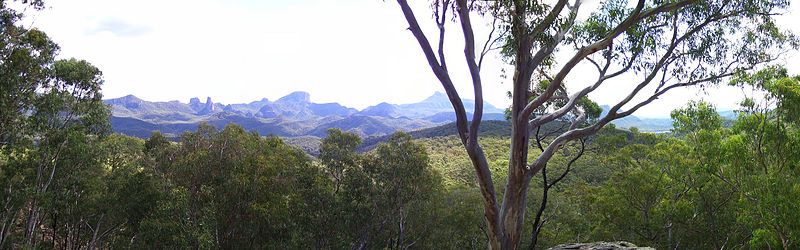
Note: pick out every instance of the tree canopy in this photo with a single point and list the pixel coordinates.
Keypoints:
(67, 182)
(663, 45)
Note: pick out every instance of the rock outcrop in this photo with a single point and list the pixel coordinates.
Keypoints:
(195, 104)
(619, 245)
(291, 115)
(208, 108)
(267, 112)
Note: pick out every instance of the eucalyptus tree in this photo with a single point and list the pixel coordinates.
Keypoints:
(48, 107)
(230, 189)
(382, 198)
(657, 45)
(68, 114)
(763, 152)
(405, 184)
(24, 58)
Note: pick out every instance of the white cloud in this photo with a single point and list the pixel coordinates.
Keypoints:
(119, 27)
(356, 52)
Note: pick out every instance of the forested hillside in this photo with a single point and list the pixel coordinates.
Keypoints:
(225, 180)
(703, 187)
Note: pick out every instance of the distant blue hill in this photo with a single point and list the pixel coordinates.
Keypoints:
(293, 115)
(653, 124)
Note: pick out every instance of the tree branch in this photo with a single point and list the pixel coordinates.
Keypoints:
(440, 22)
(636, 16)
(467, 134)
(469, 54)
(440, 72)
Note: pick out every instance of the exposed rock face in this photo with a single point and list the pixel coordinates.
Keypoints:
(195, 104)
(294, 106)
(291, 115)
(295, 97)
(128, 102)
(267, 112)
(208, 108)
(619, 245)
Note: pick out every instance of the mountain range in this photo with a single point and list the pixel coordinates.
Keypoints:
(293, 115)
(656, 125)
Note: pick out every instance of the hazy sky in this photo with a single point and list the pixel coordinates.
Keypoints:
(355, 52)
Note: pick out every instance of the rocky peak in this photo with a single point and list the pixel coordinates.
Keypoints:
(382, 109)
(267, 112)
(130, 98)
(258, 104)
(207, 108)
(384, 105)
(437, 97)
(295, 97)
(195, 104)
(128, 101)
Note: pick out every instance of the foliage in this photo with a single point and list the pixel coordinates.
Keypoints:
(52, 123)
(695, 117)
(705, 186)
(67, 183)
(659, 45)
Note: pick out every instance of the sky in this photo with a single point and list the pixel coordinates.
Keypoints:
(354, 52)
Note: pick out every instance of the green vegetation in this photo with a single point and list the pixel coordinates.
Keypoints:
(704, 187)
(650, 47)
(66, 182)
(709, 187)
